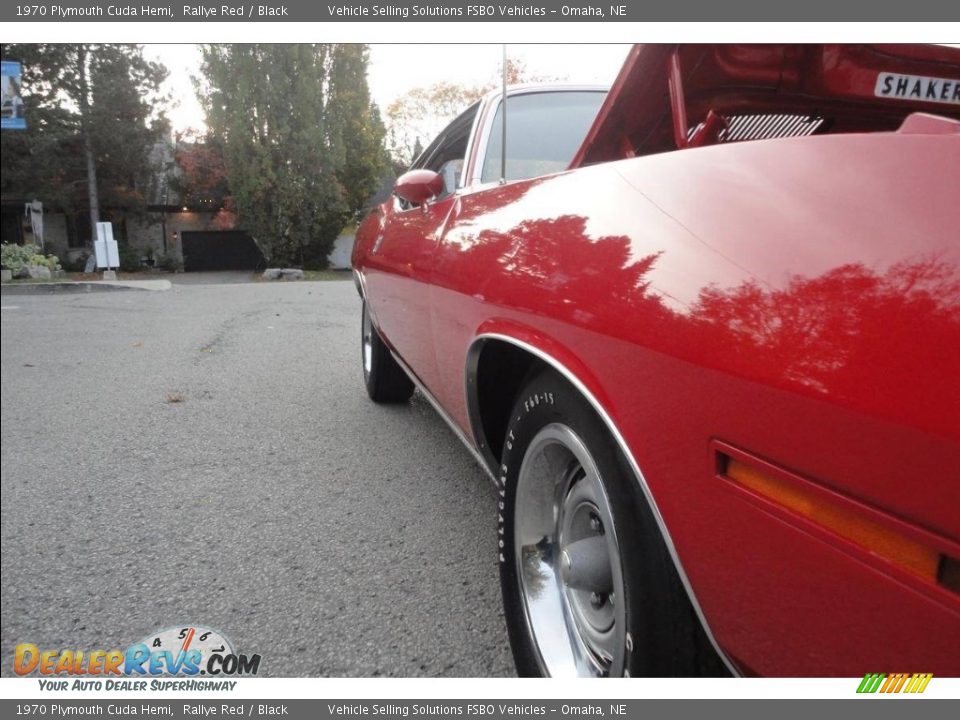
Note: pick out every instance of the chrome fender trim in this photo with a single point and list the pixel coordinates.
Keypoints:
(359, 282)
(473, 356)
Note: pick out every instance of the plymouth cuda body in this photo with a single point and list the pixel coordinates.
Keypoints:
(703, 332)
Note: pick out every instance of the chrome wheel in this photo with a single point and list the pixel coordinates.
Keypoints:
(568, 559)
(367, 341)
(385, 380)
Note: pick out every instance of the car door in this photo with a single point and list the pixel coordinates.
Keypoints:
(402, 259)
(477, 263)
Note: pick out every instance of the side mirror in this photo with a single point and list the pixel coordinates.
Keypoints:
(418, 186)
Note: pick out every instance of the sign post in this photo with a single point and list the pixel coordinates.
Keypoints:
(106, 250)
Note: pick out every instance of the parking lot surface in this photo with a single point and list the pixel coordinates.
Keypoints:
(207, 455)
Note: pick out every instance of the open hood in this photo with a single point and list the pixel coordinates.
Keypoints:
(673, 96)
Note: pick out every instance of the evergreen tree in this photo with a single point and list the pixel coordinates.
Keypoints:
(92, 126)
(301, 141)
(356, 129)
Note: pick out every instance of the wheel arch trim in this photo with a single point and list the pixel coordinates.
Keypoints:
(473, 411)
(359, 282)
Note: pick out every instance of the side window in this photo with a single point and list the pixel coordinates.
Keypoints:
(544, 130)
(446, 154)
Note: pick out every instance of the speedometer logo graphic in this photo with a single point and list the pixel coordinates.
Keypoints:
(179, 641)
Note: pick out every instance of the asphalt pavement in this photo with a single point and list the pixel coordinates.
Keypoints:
(208, 455)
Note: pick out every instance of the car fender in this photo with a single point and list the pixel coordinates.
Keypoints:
(563, 361)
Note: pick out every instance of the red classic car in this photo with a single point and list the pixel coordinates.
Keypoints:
(703, 332)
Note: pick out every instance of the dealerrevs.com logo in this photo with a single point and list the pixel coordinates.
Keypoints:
(179, 651)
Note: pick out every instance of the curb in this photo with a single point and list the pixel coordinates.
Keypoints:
(57, 288)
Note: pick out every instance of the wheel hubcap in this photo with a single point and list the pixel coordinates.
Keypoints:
(568, 560)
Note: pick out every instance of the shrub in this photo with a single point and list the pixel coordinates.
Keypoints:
(130, 259)
(169, 262)
(50, 261)
(14, 257)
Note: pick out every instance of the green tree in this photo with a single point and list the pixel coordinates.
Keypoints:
(356, 129)
(126, 123)
(93, 124)
(301, 141)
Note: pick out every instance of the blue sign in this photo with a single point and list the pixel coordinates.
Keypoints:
(11, 104)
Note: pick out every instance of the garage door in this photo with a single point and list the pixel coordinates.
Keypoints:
(220, 250)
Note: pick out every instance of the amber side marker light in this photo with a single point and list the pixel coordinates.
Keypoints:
(904, 552)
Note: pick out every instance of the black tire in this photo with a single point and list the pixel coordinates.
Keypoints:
(660, 633)
(385, 380)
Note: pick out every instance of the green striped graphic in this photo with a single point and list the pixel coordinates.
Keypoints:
(871, 682)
